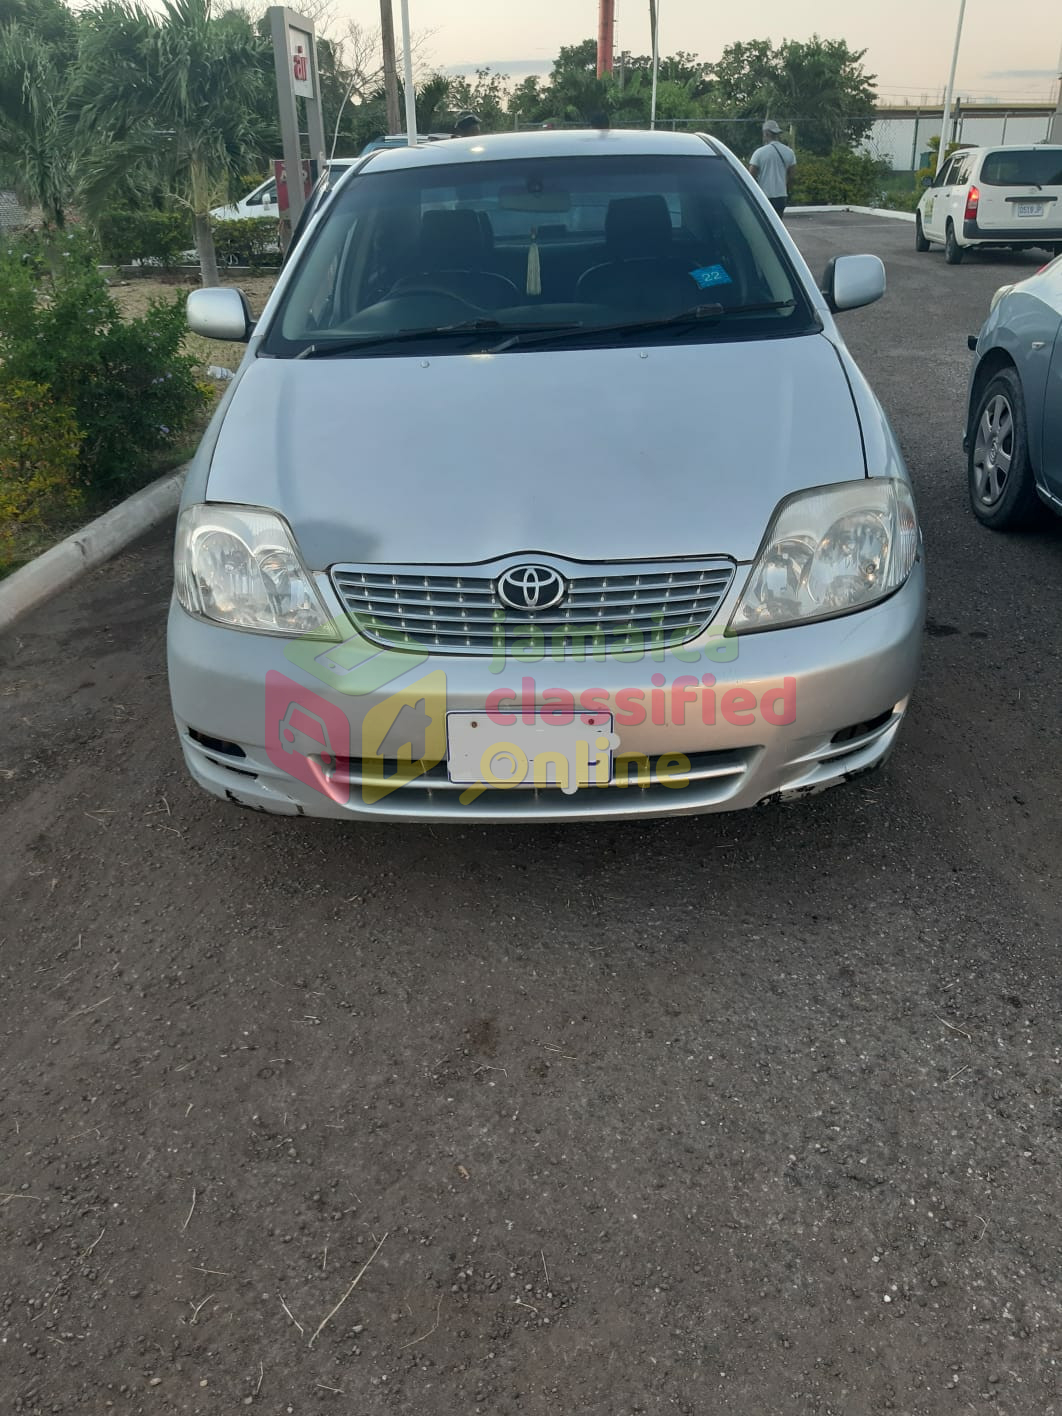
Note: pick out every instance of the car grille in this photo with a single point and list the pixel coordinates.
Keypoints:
(624, 605)
(638, 790)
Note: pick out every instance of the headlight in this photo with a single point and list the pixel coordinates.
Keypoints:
(238, 566)
(1003, 290)
(831, 551)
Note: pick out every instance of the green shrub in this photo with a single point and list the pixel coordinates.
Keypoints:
(159, 238)
(844, 178)
(39, 446)
(252, 241)
(126, 383)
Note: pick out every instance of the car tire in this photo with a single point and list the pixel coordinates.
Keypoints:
(921, 240)
(953, 252)
(1001, 483)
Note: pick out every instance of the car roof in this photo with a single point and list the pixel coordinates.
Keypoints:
(967, 149)
(567, 142)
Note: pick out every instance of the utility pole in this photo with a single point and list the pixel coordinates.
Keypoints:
(654, 20)
(945, 134)
(1054, 133)
(390, 65)
(606, 31)
(411, 97)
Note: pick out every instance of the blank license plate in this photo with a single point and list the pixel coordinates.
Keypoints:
(480, 750)
(1030, 208)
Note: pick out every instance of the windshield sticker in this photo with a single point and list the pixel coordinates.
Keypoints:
(707, 276)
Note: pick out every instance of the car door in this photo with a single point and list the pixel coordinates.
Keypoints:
(935, 212)
(1051, 448)
(262, 201)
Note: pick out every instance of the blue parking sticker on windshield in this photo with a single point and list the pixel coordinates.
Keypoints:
(707, 276)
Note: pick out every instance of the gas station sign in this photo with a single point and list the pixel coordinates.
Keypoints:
(300, 47)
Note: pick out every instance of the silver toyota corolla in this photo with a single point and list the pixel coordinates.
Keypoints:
(546, 489)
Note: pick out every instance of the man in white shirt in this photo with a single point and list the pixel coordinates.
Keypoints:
(772, 166)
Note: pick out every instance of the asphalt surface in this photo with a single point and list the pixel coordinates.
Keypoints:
(734, 1114)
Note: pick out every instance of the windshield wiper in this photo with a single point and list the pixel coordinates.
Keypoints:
(326, 350)
(697, 315)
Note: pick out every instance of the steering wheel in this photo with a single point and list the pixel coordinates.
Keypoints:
(434, 290)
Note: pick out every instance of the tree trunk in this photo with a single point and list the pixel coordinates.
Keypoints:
(204, 248)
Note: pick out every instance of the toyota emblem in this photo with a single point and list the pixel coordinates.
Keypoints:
(531, 587)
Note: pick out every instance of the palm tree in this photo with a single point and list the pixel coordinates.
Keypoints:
(34, 141)
(432, 98)
(171, 94)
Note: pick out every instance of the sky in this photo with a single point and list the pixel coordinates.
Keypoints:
(908, 42)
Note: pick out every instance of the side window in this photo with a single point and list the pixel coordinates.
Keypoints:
(963, 171)
(264, 194)
(946, 172)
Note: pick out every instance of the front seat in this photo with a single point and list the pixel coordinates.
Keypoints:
(642, 271)
(451, 254)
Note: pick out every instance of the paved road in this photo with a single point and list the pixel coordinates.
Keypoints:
(752, 1114)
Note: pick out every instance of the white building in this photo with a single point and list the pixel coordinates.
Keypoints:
(901, 135)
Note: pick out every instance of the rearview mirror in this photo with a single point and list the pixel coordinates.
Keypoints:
(220, 313)
(533, 198)
(927, 181)
(852, 281)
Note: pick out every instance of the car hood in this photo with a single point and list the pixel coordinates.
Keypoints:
(610, 454)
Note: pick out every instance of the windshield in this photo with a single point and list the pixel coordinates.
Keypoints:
(459, 255)
(1029, 167)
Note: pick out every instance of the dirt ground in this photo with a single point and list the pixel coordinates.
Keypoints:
(751, 1115)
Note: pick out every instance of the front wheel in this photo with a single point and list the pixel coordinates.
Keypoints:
(921, 240)
(952, 250)
(1002, 487)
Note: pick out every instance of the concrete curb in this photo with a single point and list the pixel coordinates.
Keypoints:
(859, 210)
(88, 548)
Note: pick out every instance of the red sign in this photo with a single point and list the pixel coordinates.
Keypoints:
(300, 65)
(280, 172)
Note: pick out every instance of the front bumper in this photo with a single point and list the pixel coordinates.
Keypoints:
(845, 685)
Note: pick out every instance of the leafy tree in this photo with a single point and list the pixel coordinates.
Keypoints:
(817, 87)
(487, 96)
(171, 94)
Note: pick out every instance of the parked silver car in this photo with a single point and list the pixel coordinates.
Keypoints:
(1014, 420)
(546, 489)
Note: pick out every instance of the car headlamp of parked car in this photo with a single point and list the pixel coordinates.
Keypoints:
(830, 551)
(1003, 290)
(238, 566)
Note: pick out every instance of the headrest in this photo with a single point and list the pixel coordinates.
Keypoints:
(451, 240)
(637, 227)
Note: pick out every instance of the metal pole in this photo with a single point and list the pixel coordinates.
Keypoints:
(411, 97)
(1054, 132)
(654, 17)
(945, 135)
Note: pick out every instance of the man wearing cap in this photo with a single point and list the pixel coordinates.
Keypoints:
(772, 166)
(467, 126)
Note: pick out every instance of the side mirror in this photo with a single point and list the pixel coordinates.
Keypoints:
(853, 281)
(220, 313)
(927, 181)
